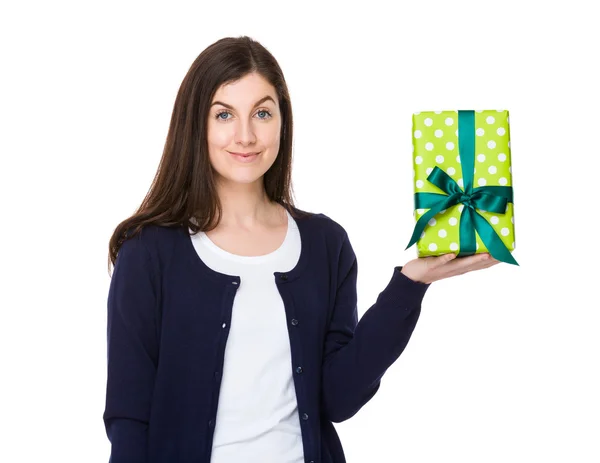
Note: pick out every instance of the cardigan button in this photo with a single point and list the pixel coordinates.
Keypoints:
(211, 423)
(294, 321)
(299, 370)
(284, 277)
(304, 416)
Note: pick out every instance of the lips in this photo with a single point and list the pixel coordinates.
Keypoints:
(245, 158)
(244, 154)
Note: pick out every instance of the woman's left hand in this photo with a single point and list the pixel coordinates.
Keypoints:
(430, 269)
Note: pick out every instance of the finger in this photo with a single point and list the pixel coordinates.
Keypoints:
(491, 263)
(469, 261)
(485, 263)
(439, 261)
(466, 264)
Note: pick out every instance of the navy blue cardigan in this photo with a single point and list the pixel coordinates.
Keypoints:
(168, 321)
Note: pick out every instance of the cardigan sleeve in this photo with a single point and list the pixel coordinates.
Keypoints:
(357, 353)
(132, 349)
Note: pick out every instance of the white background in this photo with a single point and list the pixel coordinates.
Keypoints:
(503, 364)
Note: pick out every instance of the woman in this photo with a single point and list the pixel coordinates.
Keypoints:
(233, 331)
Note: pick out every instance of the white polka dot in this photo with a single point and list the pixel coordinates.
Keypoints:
(438, 133)
(510, 169)
(428, 121)
(452, 221)
(449, 121)
(453, 247)
(441, 212)
(460, 182)
(504, 231)
(429, 146)
(432, 221)
(442, 233)
(439, 159)
(458, 158)
(513, 244)
(429, 170)
(432, 247)
(474, 169)
(456, 132)
(419, 183)
(501, 131)
(451, 170)
(492, 169)
(476, 246)
(491, 144)
(438, 112)
(418, 160)
(481, 181)
(512, 219)
(478, 110)
(420, 211)
(499, 110)
(490, 119)
(417, 113)
(482, 210)
(507, 119)
(508, 144)
(418, 134)
(494, 220)
(422, 235)
(480, 132)
(449, 145)
(502, 157)
(481, 157)
(502, 181)
(461, 207)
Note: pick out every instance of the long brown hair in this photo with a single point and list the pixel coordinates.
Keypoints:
(183, 191)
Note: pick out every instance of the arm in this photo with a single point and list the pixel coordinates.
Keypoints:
(132, 348)
(357, 354)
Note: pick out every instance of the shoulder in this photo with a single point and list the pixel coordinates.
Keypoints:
(320, 221)
(155, 242)
(325, 227)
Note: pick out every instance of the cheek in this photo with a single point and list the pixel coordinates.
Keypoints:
(271, 137)
(218, 137)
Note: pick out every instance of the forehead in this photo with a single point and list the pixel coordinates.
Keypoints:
(245, 91)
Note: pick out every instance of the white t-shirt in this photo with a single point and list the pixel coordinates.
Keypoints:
(257, 417)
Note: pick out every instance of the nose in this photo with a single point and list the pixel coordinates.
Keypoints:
(244, 133)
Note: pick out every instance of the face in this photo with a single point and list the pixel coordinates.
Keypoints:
(244, 118)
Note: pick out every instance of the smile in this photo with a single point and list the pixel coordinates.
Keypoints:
(245, 158)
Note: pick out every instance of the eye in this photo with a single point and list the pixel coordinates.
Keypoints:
(219, 114)
(266, 112)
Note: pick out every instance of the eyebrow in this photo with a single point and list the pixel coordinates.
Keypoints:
(262, 100)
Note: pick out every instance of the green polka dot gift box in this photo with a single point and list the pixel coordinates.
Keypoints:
(463, 184)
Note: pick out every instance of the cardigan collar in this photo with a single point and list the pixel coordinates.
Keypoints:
(306, 236)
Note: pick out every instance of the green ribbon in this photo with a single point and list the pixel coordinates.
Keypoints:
(488, 198)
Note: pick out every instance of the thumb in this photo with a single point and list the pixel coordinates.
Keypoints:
(442, 260)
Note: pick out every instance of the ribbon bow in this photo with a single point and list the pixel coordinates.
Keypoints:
(489, 198)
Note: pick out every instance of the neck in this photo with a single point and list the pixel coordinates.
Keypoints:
(246, 206)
